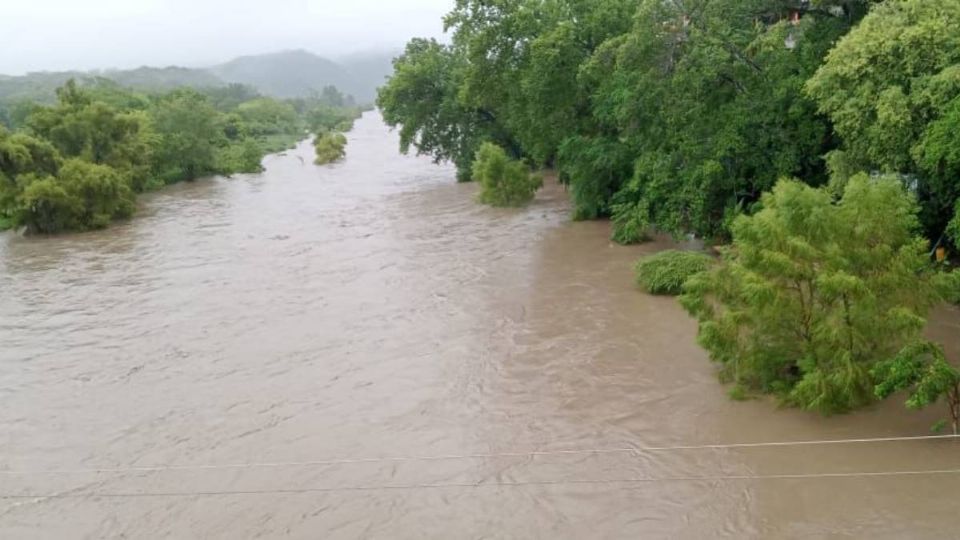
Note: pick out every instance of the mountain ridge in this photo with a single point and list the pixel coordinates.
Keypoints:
(283, 74)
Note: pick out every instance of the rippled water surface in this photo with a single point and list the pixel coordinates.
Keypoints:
(310, 320)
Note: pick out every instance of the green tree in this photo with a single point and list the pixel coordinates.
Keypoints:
(267, 116)
(503, 181)
(422, 97)
(188, 133)
(82, 196)
(706, 101)
(80, 126)
(892, 89)
(22, 155)
(921, 369)
(330, 147)
(813, 293)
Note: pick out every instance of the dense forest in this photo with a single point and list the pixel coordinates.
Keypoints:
(815, 140)
(78, 163)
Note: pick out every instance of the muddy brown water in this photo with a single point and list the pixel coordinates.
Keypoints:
(370, 309)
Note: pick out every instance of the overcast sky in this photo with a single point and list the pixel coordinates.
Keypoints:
(41, 35)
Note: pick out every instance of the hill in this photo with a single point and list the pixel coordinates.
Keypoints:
(299, 72)
(283, 74)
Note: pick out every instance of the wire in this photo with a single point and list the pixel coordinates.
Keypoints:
(450, 457)
(628, 481)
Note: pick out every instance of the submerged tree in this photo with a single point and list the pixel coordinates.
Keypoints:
(503, 181)
(922, 370)
(330, 147)
(82, 196)
(813, 292)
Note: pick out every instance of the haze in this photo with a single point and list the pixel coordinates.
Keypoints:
(47, 35)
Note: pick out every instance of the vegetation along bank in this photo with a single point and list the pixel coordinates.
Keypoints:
(815, 140)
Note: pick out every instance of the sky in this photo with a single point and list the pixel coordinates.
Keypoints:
(52, 35)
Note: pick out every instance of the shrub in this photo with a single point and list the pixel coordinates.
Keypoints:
(330, 147)
(503, 181)
(667, 271)
(82, 196)
(814, 292)
(631, 221)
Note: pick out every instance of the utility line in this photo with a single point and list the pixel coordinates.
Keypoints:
(491, 455)
(407, 487)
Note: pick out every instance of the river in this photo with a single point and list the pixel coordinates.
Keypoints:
(234, 362)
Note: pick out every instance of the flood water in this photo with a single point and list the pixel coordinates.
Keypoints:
(234, 362)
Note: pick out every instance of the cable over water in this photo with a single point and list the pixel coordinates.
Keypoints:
(490, 455)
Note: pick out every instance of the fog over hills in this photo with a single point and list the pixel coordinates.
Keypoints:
(282, 74)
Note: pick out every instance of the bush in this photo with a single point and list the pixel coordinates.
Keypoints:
(503, 181)
(241, 157)
(667, 271)
(330, 147)
(82, 196)
(815, 292)
(631, 221)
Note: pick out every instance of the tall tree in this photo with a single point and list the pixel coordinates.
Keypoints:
(188, 135)
(813, 293)
(892, 89)
(423, 99)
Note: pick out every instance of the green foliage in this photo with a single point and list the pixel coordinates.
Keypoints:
(82, 196)
(631, 221)
(117, 142)
(814, 293)
(666, 272)
(422, 97)
(503, 181)
(79, 126)
(188, 136)
(673, 115)
(330, 147)
(244, 157)
(892, 89)
(322, 118)
(922, 370)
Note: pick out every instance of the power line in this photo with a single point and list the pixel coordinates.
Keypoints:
(407, 487)
(491, 455)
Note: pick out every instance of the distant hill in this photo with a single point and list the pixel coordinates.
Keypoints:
(41, 86)
(168, 78)
(283, 74)
(369, 72)
(286, 74)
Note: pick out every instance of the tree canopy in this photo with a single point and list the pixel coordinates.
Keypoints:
(813, 293)
(78, 163)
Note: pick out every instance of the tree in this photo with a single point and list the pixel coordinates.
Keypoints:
(22, 155)
(267, 116)
(83, 127)
(82, 196)
(188, 136)
(892, 90)
(503, 181)
(330, 147)
(706, 99)
(422, 97)
(922, 370)
(813, 292)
